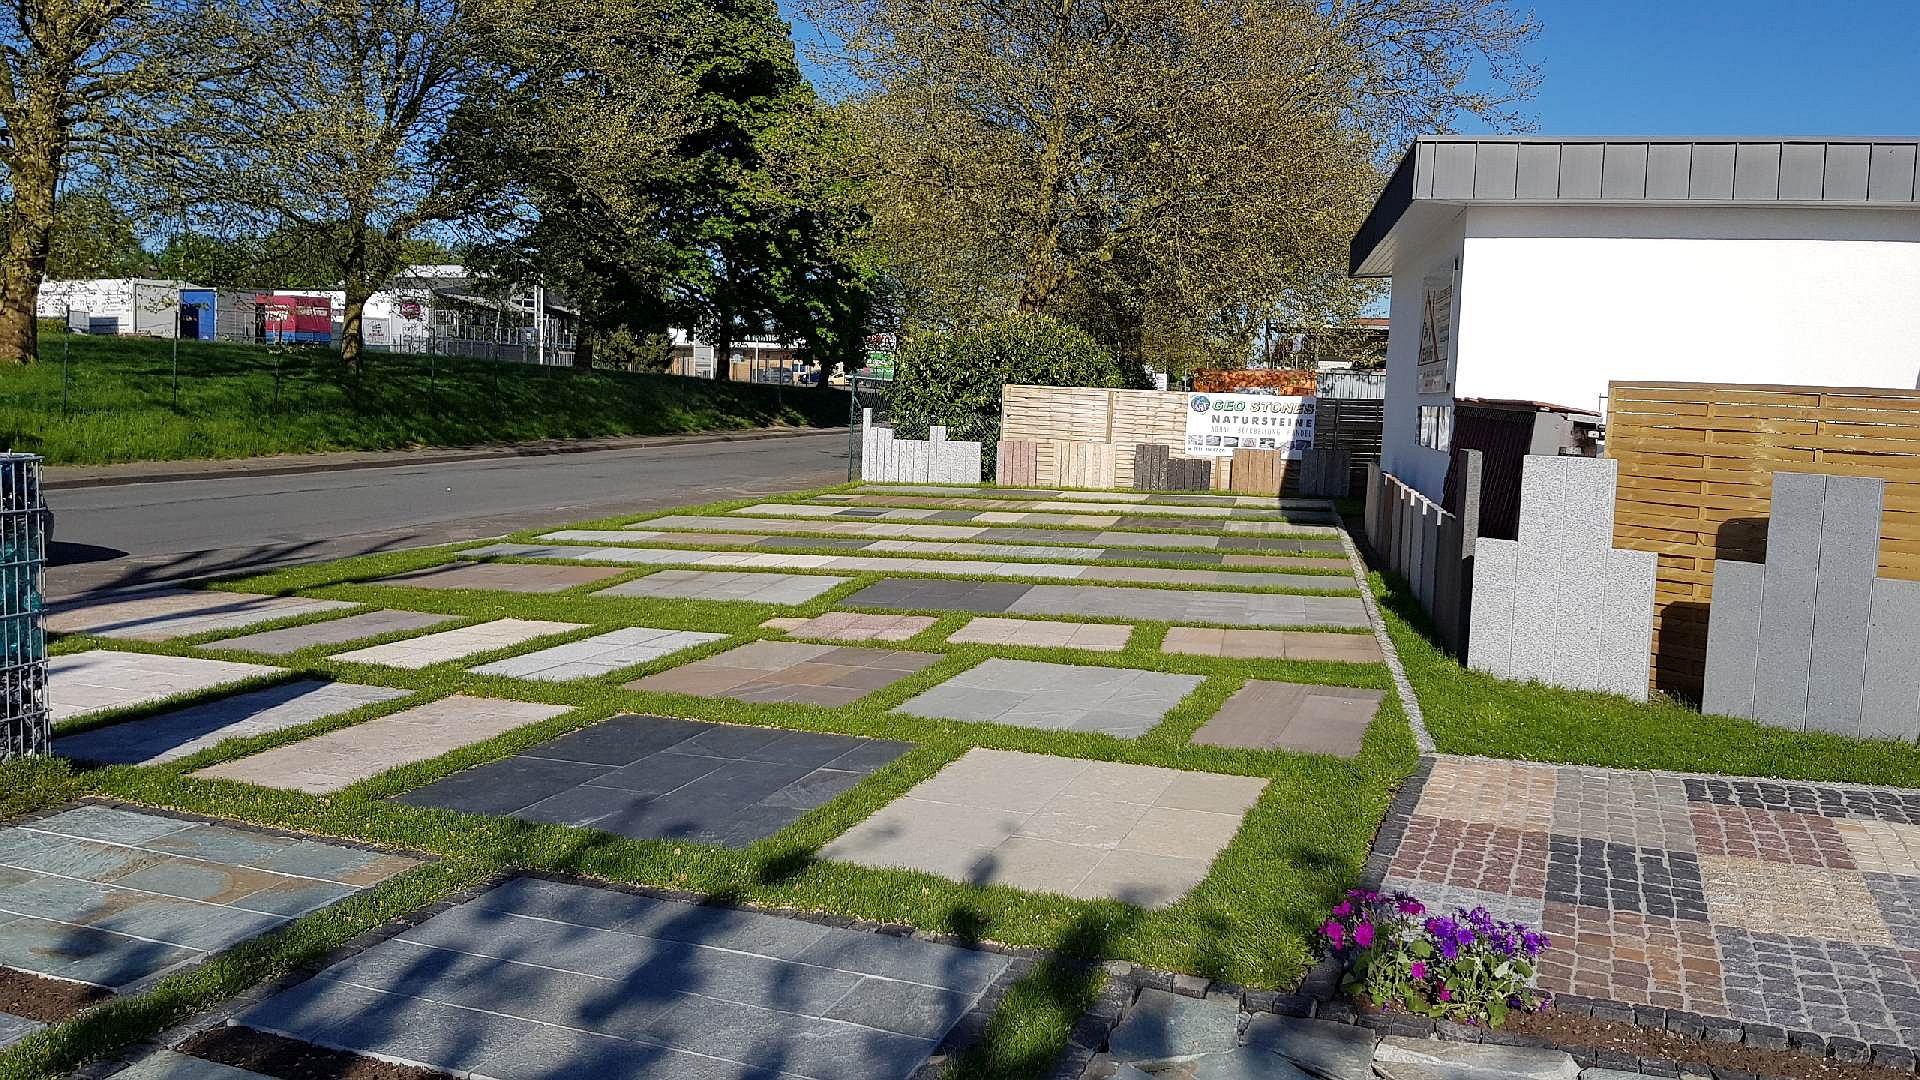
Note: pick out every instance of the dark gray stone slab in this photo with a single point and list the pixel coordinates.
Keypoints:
(1849, 555)
(1165, 1029)
(651, 777)
(939, 595)
(167, 1065)
(1327, 1050)
(1781, 680)
(1733, 638)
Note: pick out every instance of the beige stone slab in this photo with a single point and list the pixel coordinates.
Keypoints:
(853, 626)
(101, 679)
(167, 614)
(327, 763)
(457, 644)
(1043, 634)
(1301, 717)
(502, 577)
(1272, 644)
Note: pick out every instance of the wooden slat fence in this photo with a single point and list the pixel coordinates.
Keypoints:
(1696, 472)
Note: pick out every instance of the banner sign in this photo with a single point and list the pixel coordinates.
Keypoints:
(1219, 424)
(1436, 335)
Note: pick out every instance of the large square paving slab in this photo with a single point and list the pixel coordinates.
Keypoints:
(90, 682)
(163, 616)
(1111, 601)
(502, 577)
(339, 631)
(450, 645)
(1088, 829)
(1043, 634)
(648, 777)
(1272, 644)
(174, 735)
(602, 654)
(538, 979)
(1310, 719)
(118, 897)
(1121, 702)
(337, 759)
(790, 671)
(727, 585)
(853, 626)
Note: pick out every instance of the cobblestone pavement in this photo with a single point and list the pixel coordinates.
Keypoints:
(1794, 905)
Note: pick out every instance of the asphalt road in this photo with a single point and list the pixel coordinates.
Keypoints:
(134, 535)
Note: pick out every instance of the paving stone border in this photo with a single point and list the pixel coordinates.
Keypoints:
(962, 1035)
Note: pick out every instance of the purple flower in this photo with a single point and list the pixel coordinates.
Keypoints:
(1418, 972)
(1410, 906)
(1363, 935)
(1344, 907)
(1446, 994)
(1335, 933)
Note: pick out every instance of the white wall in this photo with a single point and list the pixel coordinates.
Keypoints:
(1557, 300)
(1428, 249)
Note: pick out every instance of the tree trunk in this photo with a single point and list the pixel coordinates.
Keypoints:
(23, 264)
(351, 337)
(583, 348)
(723, 349)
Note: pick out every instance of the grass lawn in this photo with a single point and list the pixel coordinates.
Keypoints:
(1251, 921)
(245, 400)
(1468, 712)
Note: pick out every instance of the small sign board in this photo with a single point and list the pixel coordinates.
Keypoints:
(1219, 424)
(1436, 334)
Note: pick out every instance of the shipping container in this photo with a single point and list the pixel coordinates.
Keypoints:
(198, 311)
(306, 320)
(147, 307)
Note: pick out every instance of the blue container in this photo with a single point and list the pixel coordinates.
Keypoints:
(197, 307)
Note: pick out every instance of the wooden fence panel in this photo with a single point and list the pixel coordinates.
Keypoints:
(1696, 473)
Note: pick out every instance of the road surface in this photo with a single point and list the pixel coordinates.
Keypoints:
(134, 535)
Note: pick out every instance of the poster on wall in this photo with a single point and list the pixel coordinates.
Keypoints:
(1219, 424)
(1436, 334)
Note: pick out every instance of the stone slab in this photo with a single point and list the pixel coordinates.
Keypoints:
(174, 735)
(1782, 680)
(119, 898)
(14, 1028)
(853, 626)
(1043, 634)
(687, 527)
(647, 777)
(79, 684)
(1301, 717)
(1122, 702)
(755, 588)
(1163, 1029)
(339, 631)
(458, 644)
(790, 671)
(1272, 644)
(602, 654)
(501, 577)
(168, 1065)
(1843, 601)
(1399, 1058)
(168, 614)
(1085, 829)
(1890, 708)
(1112, 601)
(1327, 1050)
(327, 763)
(536, 976)
(1733, 638)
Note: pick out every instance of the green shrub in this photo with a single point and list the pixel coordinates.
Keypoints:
(955, 379)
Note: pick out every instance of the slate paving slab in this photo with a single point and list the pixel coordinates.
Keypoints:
(167, 1065)
(1085, 829)
(602, 654)
(1166, 1029)
(1122, 702)
(14, 1028)
(790, 671)
(853, 626)
(1272, 644)
(100, 679)
(174, 735)
(450, 645)
(1301, 717)
(501, 577)
(1739, 899)
(542, 979)
(326, 763)
(753, 588)
(117, 898)
(1043, 634)
(168, 614)
(339, 631)
(648, 777)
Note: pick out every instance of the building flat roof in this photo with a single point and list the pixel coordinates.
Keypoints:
(1662, 171)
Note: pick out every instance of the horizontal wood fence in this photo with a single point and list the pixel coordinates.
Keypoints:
(1696, 473)
(1430, 547)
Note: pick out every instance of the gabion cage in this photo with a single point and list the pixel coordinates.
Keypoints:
(24, 524)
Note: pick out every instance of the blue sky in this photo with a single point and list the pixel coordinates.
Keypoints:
(1713, 67)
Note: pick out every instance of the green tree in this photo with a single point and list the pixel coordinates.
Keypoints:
(1162, 172)
(79, 80)
(94, 238)
(954, 379)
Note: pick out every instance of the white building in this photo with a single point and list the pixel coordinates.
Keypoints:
(147, 307)
(1538, 269)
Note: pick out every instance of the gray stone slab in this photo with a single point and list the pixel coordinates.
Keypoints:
(1166, 1029)
(1890, 706)
(334, 631)
(1733, 638)
(728, 585)
(1399, 1058)
(1625, 631)
(457, 644)
(1121, 702)
(600, 655)
(79, 684)
(168, 1065)
(174, 735)
(1325, 1049)
(14, 1028)
(1490, 633)
(163, 615)
(1781, 680)
(1849, 555)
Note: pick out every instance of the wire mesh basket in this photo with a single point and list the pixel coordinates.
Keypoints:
(24, 524)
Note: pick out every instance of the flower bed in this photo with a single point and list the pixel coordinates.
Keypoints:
(1466, 967)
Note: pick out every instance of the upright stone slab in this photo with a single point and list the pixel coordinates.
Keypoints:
(1782, 679)
(1490, 623)
(1371, 514)
(1733, 638)
(1150, 466)
(1843, 600)
(1627, 612)
(1890, 706)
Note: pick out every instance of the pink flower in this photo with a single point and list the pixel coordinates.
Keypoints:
(1363, 935)
(1335, 933)
(1345, 907)
(1418, 971)
(1446, 994)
